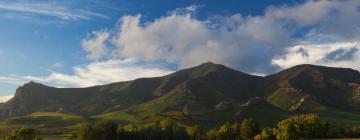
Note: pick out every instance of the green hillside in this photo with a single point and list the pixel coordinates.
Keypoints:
(207, 95)
(45, 119)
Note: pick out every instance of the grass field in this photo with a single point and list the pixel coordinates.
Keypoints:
(45, 119)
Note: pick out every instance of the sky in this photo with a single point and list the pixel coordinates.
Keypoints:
(84, 43)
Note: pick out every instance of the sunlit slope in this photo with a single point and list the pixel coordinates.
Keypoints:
(44, 119)
(298, 87)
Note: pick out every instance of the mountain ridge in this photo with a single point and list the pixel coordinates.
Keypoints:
(205, 89)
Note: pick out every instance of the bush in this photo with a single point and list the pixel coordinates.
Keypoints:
(267, 134)
(298, 127)
(103, 130)
(22, 134)
(248, 129)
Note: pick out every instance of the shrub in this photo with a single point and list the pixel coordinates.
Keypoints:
(22, 134)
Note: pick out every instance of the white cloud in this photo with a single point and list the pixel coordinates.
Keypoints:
(5, 98)
(95, 73)
(50, 9)
(58, 65)
(345, 54)
(180, 38)
(337, 18)
(248, 43)
(258, 74)
(311, 12)
(96, 46)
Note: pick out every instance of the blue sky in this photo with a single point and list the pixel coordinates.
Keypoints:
(83, 43)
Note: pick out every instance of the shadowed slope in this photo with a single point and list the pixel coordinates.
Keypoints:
(34, 97)
(206, 93)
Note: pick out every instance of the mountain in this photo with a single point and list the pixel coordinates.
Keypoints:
(317, 85)
(207, 78)
(209, 94)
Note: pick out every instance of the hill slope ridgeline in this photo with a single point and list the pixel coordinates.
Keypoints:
(208, 92)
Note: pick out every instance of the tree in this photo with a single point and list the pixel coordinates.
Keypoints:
(312, 127)
(197, 133)
(226, 132)
(286, 130)
(160, 130)
(211, 134)
(106, 130)
(267, 134)
(86, 132)
(22, 134)
(248, 129)
(302, 126)
(103, 130)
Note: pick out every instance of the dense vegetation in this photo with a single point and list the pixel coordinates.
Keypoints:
(21, 134)
(105, 130)
(165, 130)
(297, 127)
(245, 130)
(307, 127)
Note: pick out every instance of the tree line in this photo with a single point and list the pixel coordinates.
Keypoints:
(297, 127)
(106, 130)
(307, 127)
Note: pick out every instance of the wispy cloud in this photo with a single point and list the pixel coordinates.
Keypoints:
(12, 79)
(58, 65)
(49, 9)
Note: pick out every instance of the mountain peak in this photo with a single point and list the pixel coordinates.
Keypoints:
(32, 83)
(303, 67)
(206, 65)
(31, 86)
(209, 63)
(207, 68)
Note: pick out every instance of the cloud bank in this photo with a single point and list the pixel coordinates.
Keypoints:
(316, 32)
(252, 44)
